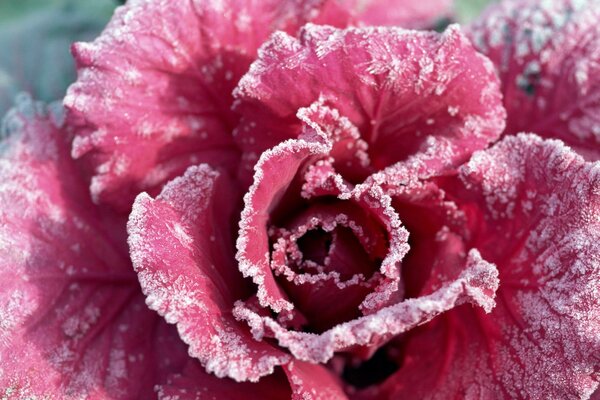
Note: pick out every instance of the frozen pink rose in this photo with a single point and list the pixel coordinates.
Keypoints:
(330, 213)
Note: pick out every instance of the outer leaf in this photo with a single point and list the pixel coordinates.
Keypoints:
(534, 208)
(412, 14)
(182, 248)
(194, 383)
(73, 323)
(313, 382)
(427, 95)
(153, 94)
(548, 57)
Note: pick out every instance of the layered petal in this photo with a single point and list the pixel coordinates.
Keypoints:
(313, 382)
(477, 285)
(534, 209)
(153, 93)
(275, 172)
(548, 58)
(182, 249)
(289, 182)
(438, 228)
(407, 93)
(298, 380)
(73, 323)
(197, 384)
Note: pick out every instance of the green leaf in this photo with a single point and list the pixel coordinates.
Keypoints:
(467, 10)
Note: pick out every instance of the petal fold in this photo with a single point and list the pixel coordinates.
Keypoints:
(408, 93)
(182, 249)
(477, 285)
(534, 210)
(153, 94)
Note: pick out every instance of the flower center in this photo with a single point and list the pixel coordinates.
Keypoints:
(327, 263)
(315, 246)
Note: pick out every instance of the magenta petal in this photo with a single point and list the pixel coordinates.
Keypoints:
(408, 93)
(182, 250)
(153, 94)
(477, 285)
(313, 382)
(548, 57)
(541, 206)
(274, 173)
(537, 209)
(194, 383)
(73, 323)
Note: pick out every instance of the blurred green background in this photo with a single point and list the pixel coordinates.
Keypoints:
(35, 36)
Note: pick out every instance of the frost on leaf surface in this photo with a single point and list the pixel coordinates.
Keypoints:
(534, 209)
(476, 285)
(153, 94)
(296, 380)
(313, 382)
(408, 93)
(73, 323)
(275, 172)
(195, 383)
(548, 56)
(182, 249)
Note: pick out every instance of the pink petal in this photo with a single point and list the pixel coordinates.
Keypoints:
(182, 249)
(301, 381)
(153, 93)
(408, 93)
(276, 191)
(438, 228)
(548, 57)
(73, 323)
(194, 383)
(328, 289)
(536, 211)
(412, 14)
(477, 285)
(349, 151)
(275, 171)
(313, 382)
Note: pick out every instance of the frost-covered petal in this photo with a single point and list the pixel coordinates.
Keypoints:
(476, 284)
(73, 323)
(548, 56)
(194, 383)
(286, 177)
(408, 93)
(274, 173)
(182, 249)
(349, 153)
(153, 93)
(327, 262)
(535, 208)
(313, 382)
(438, 228)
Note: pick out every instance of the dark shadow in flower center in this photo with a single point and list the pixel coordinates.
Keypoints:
(315, 246)
(372, 371)
(333, 276)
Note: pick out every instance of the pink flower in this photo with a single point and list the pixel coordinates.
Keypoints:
(314, 208)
